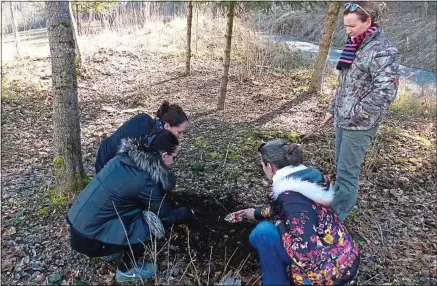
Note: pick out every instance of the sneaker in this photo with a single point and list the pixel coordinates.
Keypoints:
(143, 272)
(230, 281)
(112, 257)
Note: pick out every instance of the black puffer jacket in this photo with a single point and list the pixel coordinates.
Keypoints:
(138, 126)
(114, 200)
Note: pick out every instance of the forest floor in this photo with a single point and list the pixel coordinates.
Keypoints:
(218, 168)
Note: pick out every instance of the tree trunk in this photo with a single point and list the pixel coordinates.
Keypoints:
(197, 25)
(69, 172)
(79, 28)
(189, 24)
(90, 16)
(227, 57)
(325, 44)
(147, 11)
(15, 28)
(78, 59)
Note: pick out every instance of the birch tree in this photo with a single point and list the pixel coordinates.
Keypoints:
(15, 28)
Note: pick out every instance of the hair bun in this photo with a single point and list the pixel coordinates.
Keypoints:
(293, 154)
(163, 109)
(291, 148)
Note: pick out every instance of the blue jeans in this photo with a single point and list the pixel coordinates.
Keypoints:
(272, 255)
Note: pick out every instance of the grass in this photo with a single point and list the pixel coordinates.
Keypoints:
(33, 45)
(411, 104)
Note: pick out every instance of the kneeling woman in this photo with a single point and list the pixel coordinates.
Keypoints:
(308, 236)
(170, 117)
(117, 211)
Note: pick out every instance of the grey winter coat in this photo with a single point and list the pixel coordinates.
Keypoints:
(368, 87)
(110, 208)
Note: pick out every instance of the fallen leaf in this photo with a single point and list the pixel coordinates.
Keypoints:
(109, 109)
(10, 231)
(39, 278)
(7, 265)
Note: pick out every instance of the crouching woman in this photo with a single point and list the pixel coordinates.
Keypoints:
(118, 211)
(307, 243)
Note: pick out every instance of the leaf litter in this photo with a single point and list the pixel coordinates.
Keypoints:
(218, 171)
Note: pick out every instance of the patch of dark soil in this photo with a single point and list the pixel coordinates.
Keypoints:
(228, 243)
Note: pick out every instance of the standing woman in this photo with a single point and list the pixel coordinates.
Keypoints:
(170, 117)
(368, 85)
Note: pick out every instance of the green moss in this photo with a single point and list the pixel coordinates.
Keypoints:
(353, 213)
(333, 80)
(58, 162)
(57, 200)
(10, 88)
(267, 134)
(86, 181)
(235, 174)
(76, 187)
(270, 134)
(78, 64)
(426, 142)
(293, 137)
(251, 141)
(197, 167)
(238, 55)
(398, 160)
(247, 150)
(214, 156)
(412, 169)
(201, 142)
(303, 74)
(233, 155)
(44, 211)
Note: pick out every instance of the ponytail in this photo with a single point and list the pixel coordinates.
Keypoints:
(172, 114)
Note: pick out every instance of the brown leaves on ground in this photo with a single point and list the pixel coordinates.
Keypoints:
(395, 222)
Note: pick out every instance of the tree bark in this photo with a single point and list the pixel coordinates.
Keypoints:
(325, 44)
(15, 28)
(227, 57)
(188, 49)
(69, 172)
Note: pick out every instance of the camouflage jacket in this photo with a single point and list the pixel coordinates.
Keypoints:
(368, 87)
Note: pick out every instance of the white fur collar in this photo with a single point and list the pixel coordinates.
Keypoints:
(310, 190)
(284, 172)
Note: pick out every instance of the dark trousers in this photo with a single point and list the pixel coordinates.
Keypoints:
(95, 248)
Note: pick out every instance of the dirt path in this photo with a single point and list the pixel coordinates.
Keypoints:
(217, 171)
